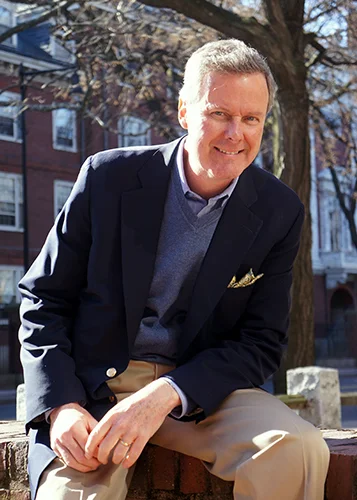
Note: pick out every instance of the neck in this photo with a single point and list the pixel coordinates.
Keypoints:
(200, 183)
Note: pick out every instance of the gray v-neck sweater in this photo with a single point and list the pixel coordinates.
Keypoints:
(184, 240)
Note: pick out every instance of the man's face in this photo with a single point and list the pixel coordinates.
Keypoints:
(225, 128)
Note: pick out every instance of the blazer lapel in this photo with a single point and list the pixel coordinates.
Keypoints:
(142, 211)
(235, 233)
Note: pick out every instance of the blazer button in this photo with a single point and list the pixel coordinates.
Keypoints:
(111, 372)
(112, 399)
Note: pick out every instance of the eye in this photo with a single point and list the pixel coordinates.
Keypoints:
(219, 114)
(251, 119)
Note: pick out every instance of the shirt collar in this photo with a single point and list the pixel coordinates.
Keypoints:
(186, 188)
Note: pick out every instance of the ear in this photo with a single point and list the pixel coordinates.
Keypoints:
(182, 110)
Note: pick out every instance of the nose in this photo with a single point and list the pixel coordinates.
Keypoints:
(234, 130)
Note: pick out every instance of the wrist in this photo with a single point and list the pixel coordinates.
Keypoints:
(52, 414)
(172, 397)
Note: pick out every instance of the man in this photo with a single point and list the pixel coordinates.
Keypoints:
(163, 291)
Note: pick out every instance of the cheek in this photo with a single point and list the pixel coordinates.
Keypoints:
(209, 131)
(198, 132)
(254, 139)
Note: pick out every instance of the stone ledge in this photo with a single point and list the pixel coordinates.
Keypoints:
(13, 462)
(166, 475)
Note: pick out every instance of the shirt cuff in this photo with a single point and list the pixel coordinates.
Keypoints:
(47, 415)
(187, 404)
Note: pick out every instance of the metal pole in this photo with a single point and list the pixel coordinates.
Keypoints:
(24, 169)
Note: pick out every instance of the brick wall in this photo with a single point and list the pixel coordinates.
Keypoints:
(165, 475)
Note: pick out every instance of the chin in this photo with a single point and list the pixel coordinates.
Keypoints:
(230, 172)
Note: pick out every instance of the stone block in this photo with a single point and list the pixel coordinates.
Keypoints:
(13, 462)
(321, 387)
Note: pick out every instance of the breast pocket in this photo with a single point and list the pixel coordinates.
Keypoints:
(231, 307)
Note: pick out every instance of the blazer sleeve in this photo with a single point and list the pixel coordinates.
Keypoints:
(253, 350)
(50, 293)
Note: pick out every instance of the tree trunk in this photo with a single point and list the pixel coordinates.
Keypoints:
(295, 123)
(282, 41)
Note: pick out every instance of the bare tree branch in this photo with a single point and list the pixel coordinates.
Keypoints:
(218, 18)
(48, 14)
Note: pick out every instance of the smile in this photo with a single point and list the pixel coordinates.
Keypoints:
(228, 152)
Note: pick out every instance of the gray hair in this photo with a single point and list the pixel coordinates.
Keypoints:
(224, 56)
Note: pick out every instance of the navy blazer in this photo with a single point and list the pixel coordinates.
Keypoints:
(84, 296)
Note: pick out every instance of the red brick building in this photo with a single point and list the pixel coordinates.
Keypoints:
(57, 143)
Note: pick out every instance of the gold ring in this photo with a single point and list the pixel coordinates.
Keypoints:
(124, 443)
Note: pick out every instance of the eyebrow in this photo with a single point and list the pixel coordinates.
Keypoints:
(223, 108)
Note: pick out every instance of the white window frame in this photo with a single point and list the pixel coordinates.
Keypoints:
(58, 184)
(125, 122)
(63, 147)
(19, 272)
(18, 201)
(62, 53)
(12, 41)
(14, 114)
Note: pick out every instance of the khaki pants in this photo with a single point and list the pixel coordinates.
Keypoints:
(252, 439)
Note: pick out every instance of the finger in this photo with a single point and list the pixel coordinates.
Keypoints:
(111, 439)
(133, 453)
(74, 441)
(122, 449)
(77, 451)
(95, 439)
(67, 458)
(66, 444)
(81, 433)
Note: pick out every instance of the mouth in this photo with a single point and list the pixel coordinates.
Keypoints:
(229, 153)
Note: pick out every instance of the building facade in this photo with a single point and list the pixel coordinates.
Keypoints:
(334, 260)
(57, 142)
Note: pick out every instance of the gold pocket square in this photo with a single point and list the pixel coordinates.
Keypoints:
(248, 279)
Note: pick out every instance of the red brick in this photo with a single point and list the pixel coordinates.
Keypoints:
(193, 475)
(221, 490)
(163, 468)
(340, 483)
(140, 482)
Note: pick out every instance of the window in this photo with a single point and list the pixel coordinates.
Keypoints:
(11, 202)
(9, 277)
(61, 193)
(62, 50)
(9, 119)
(64, 129)
(133, 131)
(6, 22)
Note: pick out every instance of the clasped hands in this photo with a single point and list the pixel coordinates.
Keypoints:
(83, 443)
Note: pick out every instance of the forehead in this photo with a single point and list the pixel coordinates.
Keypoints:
(231, 90)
